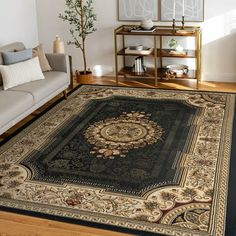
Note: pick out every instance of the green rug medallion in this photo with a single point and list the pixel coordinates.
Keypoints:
(149, 160)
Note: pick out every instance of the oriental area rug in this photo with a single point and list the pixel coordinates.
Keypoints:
(146, 161)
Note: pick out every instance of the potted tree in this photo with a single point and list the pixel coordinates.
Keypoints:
(79, 14)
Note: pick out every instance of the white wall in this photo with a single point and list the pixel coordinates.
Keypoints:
(219, 41)
(219, 36)
(18, 22)
(100, 44)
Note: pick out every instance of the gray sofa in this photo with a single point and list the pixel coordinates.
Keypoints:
(20, 101)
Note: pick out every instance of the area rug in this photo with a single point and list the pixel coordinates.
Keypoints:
(142, 160)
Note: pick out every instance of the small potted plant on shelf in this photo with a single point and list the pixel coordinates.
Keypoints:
(79, 14)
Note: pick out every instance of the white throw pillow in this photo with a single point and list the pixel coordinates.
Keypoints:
(20, 73)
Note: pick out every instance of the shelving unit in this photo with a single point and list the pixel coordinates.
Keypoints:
(158, 72)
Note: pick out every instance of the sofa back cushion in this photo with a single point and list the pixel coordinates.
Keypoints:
(15, 57)
(39, 52)
(13, 47)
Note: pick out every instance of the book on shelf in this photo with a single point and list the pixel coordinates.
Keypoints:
(139, 66)
(142, 30)
(136, 50)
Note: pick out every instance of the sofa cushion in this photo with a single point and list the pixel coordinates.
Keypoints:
(13, 104)
(13, 47)
(39, 52)
(20, 73)
(53, 81)
(15, 57)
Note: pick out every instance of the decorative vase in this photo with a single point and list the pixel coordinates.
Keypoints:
(58, 45)
(147, 24)
(82, 78)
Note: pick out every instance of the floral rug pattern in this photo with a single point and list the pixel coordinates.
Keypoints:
(114, 137)
(194, 206)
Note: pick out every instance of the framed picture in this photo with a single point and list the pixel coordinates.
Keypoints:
(193, 10)
(137, 10)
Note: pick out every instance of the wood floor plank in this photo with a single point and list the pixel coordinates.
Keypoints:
(17, 225)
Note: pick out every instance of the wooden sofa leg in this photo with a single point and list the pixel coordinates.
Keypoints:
(65, 94)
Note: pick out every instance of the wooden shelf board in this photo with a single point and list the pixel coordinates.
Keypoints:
(160, 53)
(127, 71)
(122, 53)
(166, 53)
(150, 73)
(160, 31)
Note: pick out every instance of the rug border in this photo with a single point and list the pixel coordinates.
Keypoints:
(231, 203)
(137, 87)
(230, 218)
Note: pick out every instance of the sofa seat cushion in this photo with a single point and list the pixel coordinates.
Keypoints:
(41, 89)
(13, 104)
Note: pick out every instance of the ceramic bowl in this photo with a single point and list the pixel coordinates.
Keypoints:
(147, 24)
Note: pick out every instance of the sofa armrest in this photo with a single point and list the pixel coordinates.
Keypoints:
(63, 63)
(59, 62)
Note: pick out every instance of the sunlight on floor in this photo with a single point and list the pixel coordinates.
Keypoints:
(209, 84)
(143, 84)
(176, 86)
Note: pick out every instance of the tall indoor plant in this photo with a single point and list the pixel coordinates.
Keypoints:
(79, 14)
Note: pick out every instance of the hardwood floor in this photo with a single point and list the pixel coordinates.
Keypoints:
(184, 85)
(19, 225)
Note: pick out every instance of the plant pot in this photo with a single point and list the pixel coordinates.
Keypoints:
(84, 78)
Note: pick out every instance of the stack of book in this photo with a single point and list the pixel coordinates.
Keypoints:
(139, 66)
